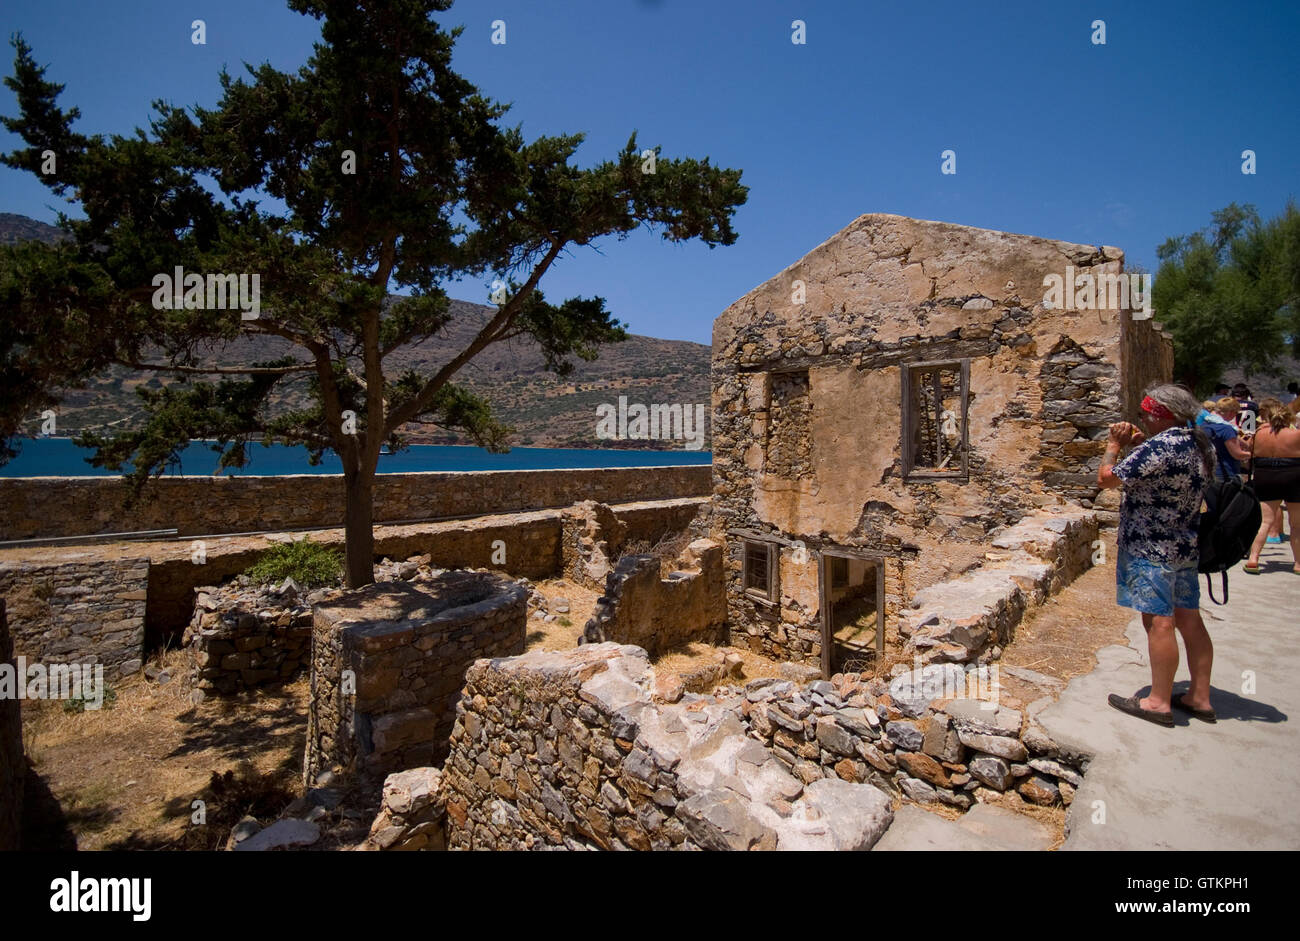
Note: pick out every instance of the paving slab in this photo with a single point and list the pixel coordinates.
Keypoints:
(1231, 785)
(982, 828)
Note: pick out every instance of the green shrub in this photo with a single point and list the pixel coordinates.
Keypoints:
(78, 704)
(308, 563)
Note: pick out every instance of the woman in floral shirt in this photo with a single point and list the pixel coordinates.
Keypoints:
(1164, 480)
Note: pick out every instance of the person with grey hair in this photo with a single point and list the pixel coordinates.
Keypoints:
(1164, 479)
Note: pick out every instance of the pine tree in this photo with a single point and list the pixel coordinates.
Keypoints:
(395, 175)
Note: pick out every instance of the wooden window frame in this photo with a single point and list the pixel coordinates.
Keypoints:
(910, 472)
(773, 551)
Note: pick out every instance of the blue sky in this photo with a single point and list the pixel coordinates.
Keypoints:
(1122, 144)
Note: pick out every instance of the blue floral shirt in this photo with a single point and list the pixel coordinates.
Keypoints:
(1164, 485)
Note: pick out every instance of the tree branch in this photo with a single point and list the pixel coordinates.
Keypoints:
(502, 321)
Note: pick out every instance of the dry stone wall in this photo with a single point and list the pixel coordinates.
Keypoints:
(936, 735)
(388, 664)
(13, 764)
(40, 507)
(565, 750)
(79, 612)
(242, 637)
(640, 608)
(975, 616)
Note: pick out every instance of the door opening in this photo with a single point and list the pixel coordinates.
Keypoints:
(852, 593)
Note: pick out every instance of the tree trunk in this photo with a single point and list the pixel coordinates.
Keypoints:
(359, 528)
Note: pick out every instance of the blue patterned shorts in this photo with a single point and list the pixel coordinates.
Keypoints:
(1152, 588)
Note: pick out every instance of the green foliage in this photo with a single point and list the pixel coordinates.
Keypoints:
(308, 563)
(1230, 294)
(76, 704)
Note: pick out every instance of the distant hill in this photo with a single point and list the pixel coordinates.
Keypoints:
(545, 410)
(15, 228)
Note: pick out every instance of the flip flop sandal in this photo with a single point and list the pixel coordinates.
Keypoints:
(1250, 569)
(1130, 706)
(1205, 715)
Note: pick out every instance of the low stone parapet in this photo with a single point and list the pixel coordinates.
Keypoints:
(974, 616)
(655, 613)
(566, 750)
(389, 661)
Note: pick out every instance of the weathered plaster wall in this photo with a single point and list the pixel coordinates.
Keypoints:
(884, 293)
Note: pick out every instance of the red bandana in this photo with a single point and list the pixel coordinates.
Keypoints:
(1152, 407)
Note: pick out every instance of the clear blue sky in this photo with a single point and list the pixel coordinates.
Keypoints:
(1123, 144)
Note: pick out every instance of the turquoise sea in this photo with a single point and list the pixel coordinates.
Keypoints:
(59, 457)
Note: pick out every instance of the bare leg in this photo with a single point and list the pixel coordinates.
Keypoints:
(1200, 655)
(1267, 512)
(1275, 530)
(1293, 519)
(1162, 648)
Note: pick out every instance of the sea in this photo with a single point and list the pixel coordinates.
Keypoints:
(59, 457)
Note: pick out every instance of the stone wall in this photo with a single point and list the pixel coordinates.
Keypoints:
(936, 734)
(975, 616)
(13, 764)
(565, 749)
(531, 543)
(808, 375)
(78, 611)
(243, 637)
(39, 507)
(1148, 358)
(388, 664)
(641, 608)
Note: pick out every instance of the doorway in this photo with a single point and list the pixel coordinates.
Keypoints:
(852, 597)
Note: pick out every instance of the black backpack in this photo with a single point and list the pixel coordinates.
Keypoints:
(1229, 525)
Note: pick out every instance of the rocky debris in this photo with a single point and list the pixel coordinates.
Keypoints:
(1039, 789)
(412, 813)
(909, 737)
(281, 835)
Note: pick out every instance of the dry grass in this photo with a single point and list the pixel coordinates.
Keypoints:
(1061, 637)
(558, 635)
(695, 655)
(125, 776)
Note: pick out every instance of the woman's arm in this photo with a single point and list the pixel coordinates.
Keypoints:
(1121, 433)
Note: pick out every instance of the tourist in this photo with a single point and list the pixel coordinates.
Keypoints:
(1247, 410)
(1221, 390)
(1226, 438)
(1277, 477)
(1164, 480)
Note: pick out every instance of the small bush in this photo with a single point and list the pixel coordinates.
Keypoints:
(308, 563)
(78, 704)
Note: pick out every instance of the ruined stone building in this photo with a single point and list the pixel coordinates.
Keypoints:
(891, 399)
